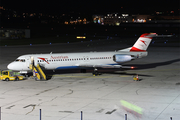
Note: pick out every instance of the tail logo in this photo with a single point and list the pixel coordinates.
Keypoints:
(143, 42)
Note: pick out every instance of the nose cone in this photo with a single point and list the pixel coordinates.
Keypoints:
(11, 66)
(18, 66)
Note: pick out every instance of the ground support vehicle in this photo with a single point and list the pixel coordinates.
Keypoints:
(8, 75)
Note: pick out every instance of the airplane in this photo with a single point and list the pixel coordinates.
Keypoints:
(57, 61)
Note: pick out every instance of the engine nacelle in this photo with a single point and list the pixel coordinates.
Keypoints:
(122, 58)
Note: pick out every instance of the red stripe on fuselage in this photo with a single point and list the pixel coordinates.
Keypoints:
(43, 59)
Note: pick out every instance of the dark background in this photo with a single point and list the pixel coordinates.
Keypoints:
(47, 33)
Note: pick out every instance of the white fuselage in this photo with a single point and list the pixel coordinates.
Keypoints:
(73, 60)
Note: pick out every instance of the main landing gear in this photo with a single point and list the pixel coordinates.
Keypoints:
(95, 72)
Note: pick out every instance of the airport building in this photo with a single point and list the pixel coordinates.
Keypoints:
(141, 18)
(112, 19)
(117, 19)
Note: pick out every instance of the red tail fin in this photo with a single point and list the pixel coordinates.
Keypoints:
(143, 42)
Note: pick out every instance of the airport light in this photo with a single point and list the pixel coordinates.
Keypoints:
(66, 23)
(1, 7)
(132, 67)
(81, 37)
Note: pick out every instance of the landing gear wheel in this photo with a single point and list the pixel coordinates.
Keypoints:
(95, 73)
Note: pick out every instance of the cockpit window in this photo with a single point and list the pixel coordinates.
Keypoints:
(20, 60)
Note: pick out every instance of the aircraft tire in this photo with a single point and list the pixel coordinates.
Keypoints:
(95, 73)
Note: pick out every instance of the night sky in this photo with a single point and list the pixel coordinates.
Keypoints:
(92, 6)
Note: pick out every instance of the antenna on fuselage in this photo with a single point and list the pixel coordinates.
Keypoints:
(50, 52)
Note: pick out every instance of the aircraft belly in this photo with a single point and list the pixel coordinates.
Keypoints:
(68, 67)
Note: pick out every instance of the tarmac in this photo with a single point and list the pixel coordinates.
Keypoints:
(69, 92)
